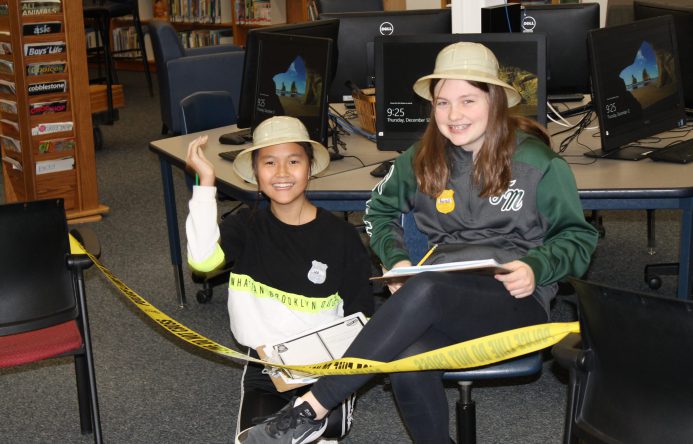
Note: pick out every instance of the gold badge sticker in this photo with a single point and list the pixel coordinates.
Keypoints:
(445, 202)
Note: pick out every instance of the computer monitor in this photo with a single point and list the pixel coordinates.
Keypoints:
(323, 28)
(566, 27)
(292, 80)
(357, 31)
(402, 116)
(682, 12)
(636, 82)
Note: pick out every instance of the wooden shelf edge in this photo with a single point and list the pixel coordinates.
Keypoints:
(89, 215)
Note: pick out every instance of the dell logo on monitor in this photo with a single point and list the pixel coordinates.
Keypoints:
(528, 23)
(386, 28)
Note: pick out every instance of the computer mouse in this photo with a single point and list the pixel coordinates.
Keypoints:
(231, 139)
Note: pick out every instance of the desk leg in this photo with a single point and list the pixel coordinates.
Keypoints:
(685, 250)
(172, 225)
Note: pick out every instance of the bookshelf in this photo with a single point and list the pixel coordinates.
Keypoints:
(47, 145)
(195, 27)
(267, 12)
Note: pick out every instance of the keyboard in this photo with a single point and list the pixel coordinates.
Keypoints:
(681, 152)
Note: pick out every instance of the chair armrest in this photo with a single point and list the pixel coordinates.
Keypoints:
(569, 352)
(208, 72)
(212, 49)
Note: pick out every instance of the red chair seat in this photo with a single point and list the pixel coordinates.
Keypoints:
(23, 348)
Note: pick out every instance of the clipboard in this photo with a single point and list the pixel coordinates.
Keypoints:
(324, 343)
(483, 266)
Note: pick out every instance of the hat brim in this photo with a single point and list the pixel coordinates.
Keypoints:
(422, 86)
(243, 164)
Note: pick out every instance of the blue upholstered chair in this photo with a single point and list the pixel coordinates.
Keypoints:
(201, 111)
(184, 71)
(527, 365)
(205, 110)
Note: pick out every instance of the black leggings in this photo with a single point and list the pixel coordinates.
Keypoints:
(261, 398)
(430, 311)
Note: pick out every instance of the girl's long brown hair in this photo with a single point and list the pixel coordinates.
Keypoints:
(492, 172)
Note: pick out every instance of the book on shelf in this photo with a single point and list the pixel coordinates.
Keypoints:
(42, 68)
(195, 11)
(312, 10)
(50, 128)
(15, 164)
(8, 106)
(11, 123)
(53, 106)
(7, 87)
(125, 40)
(483, 266)
(256, 12)
(54, 165)
(324, 343)
(40, 7)
(6, 67)
(10, 143)
(200, 37)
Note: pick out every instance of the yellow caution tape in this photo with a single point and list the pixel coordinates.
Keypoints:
(474, 353)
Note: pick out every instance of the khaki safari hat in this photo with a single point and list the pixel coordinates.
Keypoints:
(466, 61)
(273, 131)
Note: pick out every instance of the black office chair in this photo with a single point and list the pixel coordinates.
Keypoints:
(523, 366)
(43, 310)
(348, 5)
(205, 110)
(100, 13)
(201, 111)
(630, 368)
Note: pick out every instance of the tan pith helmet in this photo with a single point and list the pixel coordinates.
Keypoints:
(274, 131)
(466, 61)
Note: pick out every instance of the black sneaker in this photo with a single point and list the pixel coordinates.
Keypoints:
(294, 424)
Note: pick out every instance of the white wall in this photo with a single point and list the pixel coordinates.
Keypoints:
(603, 4)
(466, 14)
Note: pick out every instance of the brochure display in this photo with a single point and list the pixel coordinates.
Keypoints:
(46, 134)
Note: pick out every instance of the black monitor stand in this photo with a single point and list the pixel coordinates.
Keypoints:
(623, 153)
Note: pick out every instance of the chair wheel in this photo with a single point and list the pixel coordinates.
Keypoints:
(654, 282)
(204, 296)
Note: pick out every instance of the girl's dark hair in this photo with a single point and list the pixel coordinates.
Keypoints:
(492, 172)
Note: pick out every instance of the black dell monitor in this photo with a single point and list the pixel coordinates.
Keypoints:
(324, 28)
(636, 82)
(682, 12)
(357, 31)
(292, 80)
(402, 116)
(566, 27)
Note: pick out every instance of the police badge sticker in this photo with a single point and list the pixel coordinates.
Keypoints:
(317, 273)
(445, 202)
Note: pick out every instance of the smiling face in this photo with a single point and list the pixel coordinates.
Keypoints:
(282, 173)
(461, 113)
